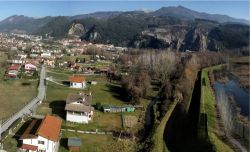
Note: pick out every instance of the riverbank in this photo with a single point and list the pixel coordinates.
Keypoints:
(239, 67)
(233, 106)
(208, 107)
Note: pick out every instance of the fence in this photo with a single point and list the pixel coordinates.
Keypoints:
(29, 108)
(89, 132)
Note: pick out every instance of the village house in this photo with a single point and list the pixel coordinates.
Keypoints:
(46, 55)
(22, 55)
(49, 62)
(33, 55)
(16, 60)
(42, 136)
(13, 70)
(78, 108)
(77, 81)
(29, 67)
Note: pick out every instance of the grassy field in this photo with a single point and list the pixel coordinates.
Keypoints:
(159, 143)
(104, 92)
(98, 64)
(208, 106)
(58, 75)
(73, 58)
(89, 142)
(99, 122)
(98, 143)
(14, 94)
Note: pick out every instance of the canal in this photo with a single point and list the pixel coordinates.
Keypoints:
(182, 129)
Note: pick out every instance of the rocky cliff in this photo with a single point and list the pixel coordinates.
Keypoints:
(76, 30)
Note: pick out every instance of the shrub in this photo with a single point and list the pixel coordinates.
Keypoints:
(98, 106)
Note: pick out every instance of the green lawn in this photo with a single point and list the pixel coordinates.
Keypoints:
(98, 64)
(98, 143)
(73, 58)
(208, 106)
(101, 121)
(90, 142)
(58, 75)
(104, 92)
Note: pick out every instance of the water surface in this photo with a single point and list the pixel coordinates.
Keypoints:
(240, 94)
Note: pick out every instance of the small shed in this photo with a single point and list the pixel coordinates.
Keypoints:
(106, 108)
(128, 108)
(111, 108)
(74, 144)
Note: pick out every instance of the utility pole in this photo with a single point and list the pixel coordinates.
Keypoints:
(1, 145)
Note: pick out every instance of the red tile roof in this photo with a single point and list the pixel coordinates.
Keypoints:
(28, 147)
(14, 67)
(50, 128)
(76, 78)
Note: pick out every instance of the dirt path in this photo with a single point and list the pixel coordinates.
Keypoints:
(149, 118)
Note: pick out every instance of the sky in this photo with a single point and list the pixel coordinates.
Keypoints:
(237, 9)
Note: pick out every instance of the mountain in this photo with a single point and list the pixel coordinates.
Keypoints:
(23, 24)
(188, 14)
(97, 15)
(200, 35)
(169, 27)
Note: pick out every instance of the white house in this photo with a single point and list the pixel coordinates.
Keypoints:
(46, 55)
(30, 67)
(78, 108)
(42, 136)
(77, 81)
(16, 60)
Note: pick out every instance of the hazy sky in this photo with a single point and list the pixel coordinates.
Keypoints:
(238, 9)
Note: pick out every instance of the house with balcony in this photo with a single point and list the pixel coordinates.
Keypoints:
(42, 135)
(78, 108)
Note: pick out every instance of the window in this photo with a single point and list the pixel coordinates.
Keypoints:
(40, 142)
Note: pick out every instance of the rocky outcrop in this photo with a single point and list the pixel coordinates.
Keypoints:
(178, 37)
(91, 34)
(76, 29)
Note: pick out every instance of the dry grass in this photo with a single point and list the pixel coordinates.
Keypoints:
(240, 68)
(14, 95)
(130, 121)
(98, 143)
